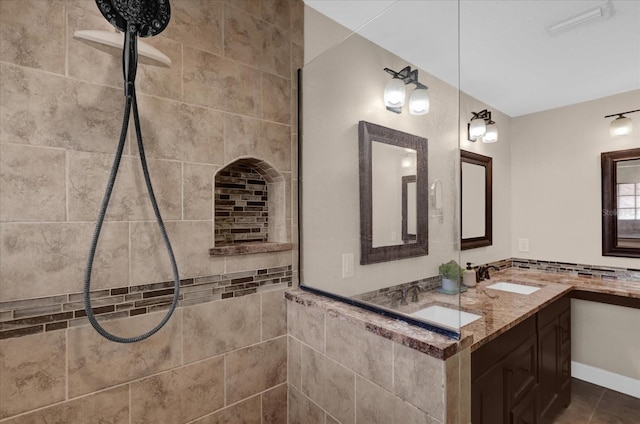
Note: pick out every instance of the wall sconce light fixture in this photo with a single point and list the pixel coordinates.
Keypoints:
(621, 125)
(395, 92)
(482, 127)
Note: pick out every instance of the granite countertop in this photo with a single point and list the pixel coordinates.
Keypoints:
(500, 310)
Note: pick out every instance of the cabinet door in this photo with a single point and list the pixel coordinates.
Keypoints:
(526, 411)
(521, 371)
(488, 395)
(548, 365)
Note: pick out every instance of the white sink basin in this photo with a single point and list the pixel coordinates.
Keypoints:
(446, 316)
(513, 288)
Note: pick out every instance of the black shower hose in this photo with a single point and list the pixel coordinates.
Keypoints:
(130, 102)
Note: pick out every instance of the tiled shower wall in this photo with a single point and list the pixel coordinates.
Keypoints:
(230, 93)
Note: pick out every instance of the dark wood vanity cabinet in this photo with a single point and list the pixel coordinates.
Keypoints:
(524, 375)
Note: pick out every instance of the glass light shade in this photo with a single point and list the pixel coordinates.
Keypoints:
(419, 102)
(477, 128)
(406, 161)
(621, 126)
(491, 135)
(394, 93)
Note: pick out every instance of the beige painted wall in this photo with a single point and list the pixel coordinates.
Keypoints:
(343, 86)
(500, 152)
(606, 337)
(556, 179)
(556, 204)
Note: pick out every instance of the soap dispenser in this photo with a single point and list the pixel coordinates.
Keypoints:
(469, 277)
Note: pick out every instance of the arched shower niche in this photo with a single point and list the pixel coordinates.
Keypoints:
(249, 209)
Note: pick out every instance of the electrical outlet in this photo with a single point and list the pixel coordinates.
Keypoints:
(523, 245)
(347, 265)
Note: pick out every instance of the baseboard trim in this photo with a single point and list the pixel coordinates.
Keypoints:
(604, 378)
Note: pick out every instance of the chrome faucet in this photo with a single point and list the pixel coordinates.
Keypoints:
(482, 272)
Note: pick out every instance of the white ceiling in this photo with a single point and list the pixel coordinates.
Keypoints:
(505, 57)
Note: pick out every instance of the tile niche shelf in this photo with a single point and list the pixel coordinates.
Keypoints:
(249, 248)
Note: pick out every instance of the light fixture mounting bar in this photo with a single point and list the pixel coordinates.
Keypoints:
(622, 113)
(407, 75)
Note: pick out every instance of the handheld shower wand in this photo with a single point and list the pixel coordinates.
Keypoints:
(136, 18)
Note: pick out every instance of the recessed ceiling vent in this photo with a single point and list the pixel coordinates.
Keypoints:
(599, 11)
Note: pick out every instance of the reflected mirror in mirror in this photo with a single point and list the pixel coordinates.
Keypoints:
(390, 165)
(476, 198)
(409, 212)
(621, 203)
(393, 194)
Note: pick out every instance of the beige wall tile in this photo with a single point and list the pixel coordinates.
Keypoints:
(32, 34)
(197, 24)
(297, 22)
(373, 404)
(88, 176)
(302, 410)
(376, 405)
(214, 328)
(47, 110)
(204, 82)
(242, 89)
(274, 314)
(249, 6)
(294, 363)
(190, 241)
(255, 42)
(158, 80)
(452, 390)
(277, 12)
(306, 324)
(32, 184)
(95, 363)
(256, 368)
(193, 134)
(86, 62)
(254, 138)
(33, 372)
(245, 412)
(60, 251)
(274, 405)
(111, 406)
(179, 395)
(420, 380)
(197, 188)
(276, 98)
(331, 420)
(329, 384)
(365, 353)
(465, 386)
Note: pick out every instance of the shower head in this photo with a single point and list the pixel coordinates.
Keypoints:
(145, 18)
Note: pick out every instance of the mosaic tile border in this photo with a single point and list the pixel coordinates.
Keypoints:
(386, 296)
(31, 316)
(581, 270)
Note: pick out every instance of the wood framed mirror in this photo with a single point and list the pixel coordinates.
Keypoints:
(386, 156)
(621, 203)
(476, 196)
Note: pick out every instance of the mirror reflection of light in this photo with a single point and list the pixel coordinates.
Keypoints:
(406, 161)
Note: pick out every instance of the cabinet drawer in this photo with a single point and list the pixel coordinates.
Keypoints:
(553, 311)
(526, 411)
